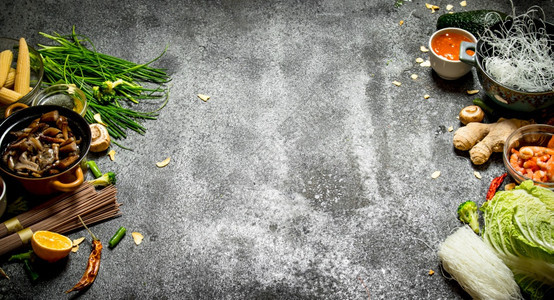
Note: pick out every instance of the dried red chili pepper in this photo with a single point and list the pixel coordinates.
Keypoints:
(93, 264)
(495, 184)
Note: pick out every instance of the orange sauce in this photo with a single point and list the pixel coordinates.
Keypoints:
(447, 45)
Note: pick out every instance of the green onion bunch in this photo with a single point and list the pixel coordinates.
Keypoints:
(112, 85)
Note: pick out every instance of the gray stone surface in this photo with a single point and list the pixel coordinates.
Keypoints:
(306, 175)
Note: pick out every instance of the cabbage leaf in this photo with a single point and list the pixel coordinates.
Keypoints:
(519, 226)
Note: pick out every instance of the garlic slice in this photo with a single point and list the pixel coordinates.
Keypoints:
(203, 97)
(111, 154)
(137, 237)
(163, 163)
(98, 119)
(76, 242)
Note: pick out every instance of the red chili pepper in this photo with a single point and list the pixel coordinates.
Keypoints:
(92, 268)
(93, 264)
(495, 184)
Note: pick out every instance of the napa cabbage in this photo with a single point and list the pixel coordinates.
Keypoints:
(519, 226)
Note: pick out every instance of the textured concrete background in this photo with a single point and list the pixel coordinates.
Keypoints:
(306, 175)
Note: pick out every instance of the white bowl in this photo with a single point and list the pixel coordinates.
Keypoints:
(445, 68)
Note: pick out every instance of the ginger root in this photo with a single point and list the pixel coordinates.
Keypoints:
(483, 139)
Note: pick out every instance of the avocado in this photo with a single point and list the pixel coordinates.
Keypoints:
(474, 21)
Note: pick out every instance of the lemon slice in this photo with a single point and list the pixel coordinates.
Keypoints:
(50, 246)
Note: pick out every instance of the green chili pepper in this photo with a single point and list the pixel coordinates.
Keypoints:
(94, 168)
(21, 256)
(30, 271)
(479, 102)
(117, 237)
(26, 258)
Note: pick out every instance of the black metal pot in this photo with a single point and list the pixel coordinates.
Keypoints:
(69, 179)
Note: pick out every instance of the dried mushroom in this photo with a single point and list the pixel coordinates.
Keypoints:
(472, 113)
(100, 140)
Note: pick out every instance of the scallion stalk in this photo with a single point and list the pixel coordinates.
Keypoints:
(73, 59)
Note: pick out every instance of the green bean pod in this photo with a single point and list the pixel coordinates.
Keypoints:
(117, 237)
(479, 102)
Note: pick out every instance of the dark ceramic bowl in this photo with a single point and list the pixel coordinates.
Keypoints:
(67, 180)
(502, 95)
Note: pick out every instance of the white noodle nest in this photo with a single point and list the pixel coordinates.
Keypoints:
(522, 56)
(478, 270)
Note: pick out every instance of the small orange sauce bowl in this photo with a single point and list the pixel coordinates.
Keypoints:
(449, 69)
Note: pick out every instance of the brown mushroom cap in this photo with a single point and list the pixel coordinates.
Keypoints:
(472, 113)
(100, 138)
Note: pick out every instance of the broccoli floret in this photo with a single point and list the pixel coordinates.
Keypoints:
(107, 91)
(467, 213)
(104, 180)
